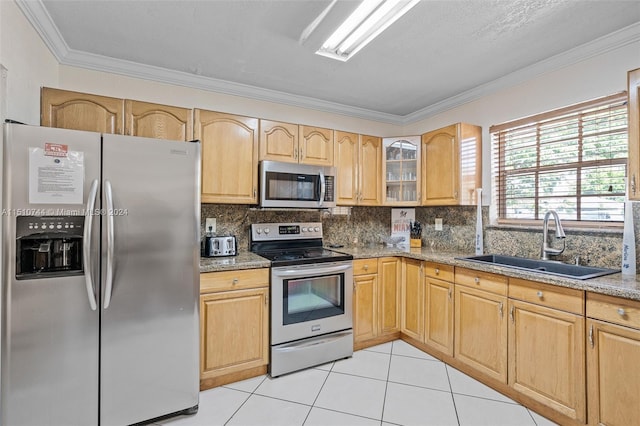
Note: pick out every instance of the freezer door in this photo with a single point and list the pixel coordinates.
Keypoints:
(149, 309)
(49, 331)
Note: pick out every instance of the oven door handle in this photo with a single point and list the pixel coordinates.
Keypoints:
(314, 271)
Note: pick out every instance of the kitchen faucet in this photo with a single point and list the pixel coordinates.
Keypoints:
(546, 249)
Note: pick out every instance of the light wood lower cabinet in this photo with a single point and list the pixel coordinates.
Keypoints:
(480, 336)
(376, 300)
(547, 346)
(613, 360)
(438, 312)
(234, 326)
(413, 299)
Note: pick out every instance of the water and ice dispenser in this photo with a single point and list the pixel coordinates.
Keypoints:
(48, 246)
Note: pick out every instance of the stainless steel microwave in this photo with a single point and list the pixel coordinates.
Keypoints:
(292, 185)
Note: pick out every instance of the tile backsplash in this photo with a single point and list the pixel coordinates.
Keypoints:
(365, 225)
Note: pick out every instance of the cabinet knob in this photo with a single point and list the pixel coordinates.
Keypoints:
(621, 312)
(437, 271)
(234, 281)
(477, 280)
(366, 267)
(539, 294)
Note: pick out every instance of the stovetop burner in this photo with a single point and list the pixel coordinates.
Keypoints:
(286, 244)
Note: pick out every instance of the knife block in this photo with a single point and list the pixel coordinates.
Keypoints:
(415, 242)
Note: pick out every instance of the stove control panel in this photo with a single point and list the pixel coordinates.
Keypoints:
(285, 231)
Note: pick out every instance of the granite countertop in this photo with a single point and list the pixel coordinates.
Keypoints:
(244, 260)
(613, 285)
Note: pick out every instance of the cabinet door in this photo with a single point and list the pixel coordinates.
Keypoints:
(438, 315)
(556, 377)
(440, 162)
(401, 171)
(234, 331)
(157, 121)
(229, 157)
(316, 146)
(633, 80)
(480, 337)
(370, 165)
(613, 374)
(278, 141)
(412, 299)
(346, 161)
(81, 111)
(365, 307)
(390, 279)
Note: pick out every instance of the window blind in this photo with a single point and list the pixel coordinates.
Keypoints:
(572, 160)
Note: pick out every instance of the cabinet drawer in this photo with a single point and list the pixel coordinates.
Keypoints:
(482, 280)
(438, 271)
(211, 282)
(365, 266)
(613, 309)
(564, 299)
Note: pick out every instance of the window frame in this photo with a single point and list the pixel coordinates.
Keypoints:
(499, 176)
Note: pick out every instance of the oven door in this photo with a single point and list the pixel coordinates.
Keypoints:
(309, 300)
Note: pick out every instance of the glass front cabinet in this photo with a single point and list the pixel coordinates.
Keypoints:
(401, 170)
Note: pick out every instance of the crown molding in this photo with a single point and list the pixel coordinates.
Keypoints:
(609, 42)
(39, 17)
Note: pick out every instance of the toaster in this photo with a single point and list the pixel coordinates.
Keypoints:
(220, 246)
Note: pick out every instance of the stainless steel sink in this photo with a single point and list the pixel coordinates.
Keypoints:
(543, 266)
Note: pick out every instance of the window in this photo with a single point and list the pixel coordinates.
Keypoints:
(572, 160)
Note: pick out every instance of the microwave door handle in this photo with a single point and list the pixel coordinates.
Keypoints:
(323, 188)
(314, 271)
(86, 248)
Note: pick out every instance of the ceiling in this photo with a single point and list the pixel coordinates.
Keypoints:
(441, 53)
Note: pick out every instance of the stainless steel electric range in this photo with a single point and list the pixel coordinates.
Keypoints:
(311, 296)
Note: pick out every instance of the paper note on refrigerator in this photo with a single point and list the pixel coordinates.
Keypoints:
(56, 175)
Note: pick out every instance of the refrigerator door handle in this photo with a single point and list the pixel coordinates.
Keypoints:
(110, 245)
(86, 249)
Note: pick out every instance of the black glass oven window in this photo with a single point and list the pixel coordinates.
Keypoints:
(308, 299)
(292, 186)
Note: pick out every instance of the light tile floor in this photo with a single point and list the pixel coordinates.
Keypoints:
(389, 384)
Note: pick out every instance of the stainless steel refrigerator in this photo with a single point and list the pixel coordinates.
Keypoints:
(100, 283)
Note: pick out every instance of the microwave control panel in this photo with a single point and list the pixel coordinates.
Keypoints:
(329, 185)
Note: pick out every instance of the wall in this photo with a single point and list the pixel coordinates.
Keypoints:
(29, 64)
(73, 78)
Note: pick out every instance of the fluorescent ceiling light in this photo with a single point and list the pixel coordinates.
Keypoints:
(369, 19)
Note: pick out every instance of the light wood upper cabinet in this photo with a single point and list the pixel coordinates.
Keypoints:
(633, 90)
(294, 143)
(546, 313)
(358, 160)
(315, 145)
(81, 111)
(480, 335)
(613, 351)
(370, 165)
(157, 121)
(452, 165)
(347, 146)
(401, 171)
(278, 141)
(229, 157)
